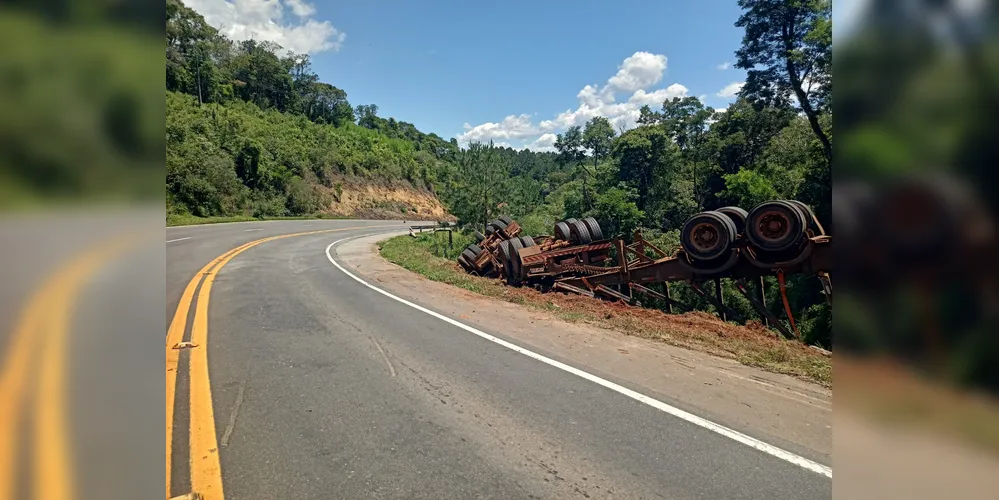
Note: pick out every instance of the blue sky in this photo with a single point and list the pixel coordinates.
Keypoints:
(511, 72)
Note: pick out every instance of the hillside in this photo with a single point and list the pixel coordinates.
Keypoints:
(236, 159)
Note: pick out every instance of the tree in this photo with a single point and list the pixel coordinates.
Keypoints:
(616, 211)
(648, 117)
(646, 157)
(787, 49)
(483, 184)
(367, 115)
(685, 119)
(739, 138)
(263, 78)
(571, 151)
(191, 47)
(597, 137)
(747, 188)
(569, 145)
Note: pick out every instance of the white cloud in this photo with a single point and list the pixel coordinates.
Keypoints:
(725, 65)
(655, 98)
(300, 8)
(267, 20)
(731, 90)
(544, 143)
(638, 71)
(512, 127)
(634, 76)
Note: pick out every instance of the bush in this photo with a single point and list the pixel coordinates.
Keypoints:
(617, 213)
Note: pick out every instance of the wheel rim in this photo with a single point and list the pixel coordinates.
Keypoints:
(705, 238)
(773, 226)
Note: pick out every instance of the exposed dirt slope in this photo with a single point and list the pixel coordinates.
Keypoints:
(371, 199)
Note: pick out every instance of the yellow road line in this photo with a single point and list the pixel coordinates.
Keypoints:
(44, 325)
(206, 470)
(13, 383)
(174, 335)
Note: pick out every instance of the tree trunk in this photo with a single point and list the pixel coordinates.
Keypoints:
(200, 101)
(806, 107)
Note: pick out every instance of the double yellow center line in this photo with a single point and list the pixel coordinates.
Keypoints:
(37, 353)
(205, 467)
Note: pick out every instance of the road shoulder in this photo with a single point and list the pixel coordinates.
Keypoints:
(783, 410)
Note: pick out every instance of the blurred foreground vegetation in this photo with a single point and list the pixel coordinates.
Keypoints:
(918, 94)
(78, 117)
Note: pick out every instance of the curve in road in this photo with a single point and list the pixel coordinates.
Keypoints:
(326, 387)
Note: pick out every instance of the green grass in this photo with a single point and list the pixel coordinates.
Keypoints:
(430, 256)
(418, 255)
(190, 220)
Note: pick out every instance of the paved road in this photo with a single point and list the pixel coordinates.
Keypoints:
(320, 387)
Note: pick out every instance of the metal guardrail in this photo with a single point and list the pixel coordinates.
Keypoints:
(440, 226)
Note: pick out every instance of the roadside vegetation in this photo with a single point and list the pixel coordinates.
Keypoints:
(430, 256)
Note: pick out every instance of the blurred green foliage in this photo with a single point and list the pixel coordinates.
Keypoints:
(78, 117)
(918, 91)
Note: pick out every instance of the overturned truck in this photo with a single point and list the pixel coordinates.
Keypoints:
(776, 238)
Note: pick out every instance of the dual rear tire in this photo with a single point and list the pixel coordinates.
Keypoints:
(708, 236)
(779, 225)
(775, 228)
(579, 231)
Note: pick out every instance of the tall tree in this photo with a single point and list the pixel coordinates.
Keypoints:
(598, 137)
(738, 138)
(483, 183)
(685, 119)
(192, 45)
(787, 49)
(263, 78)
(571, 152)
(648, 117)
(569, 145)
(647, 160)
(367, 115)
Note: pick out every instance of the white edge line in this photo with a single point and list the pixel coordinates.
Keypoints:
(257, 229)
(659, 405)
(179, 239)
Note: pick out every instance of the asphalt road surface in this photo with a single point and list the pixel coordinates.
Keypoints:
(303, 382)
